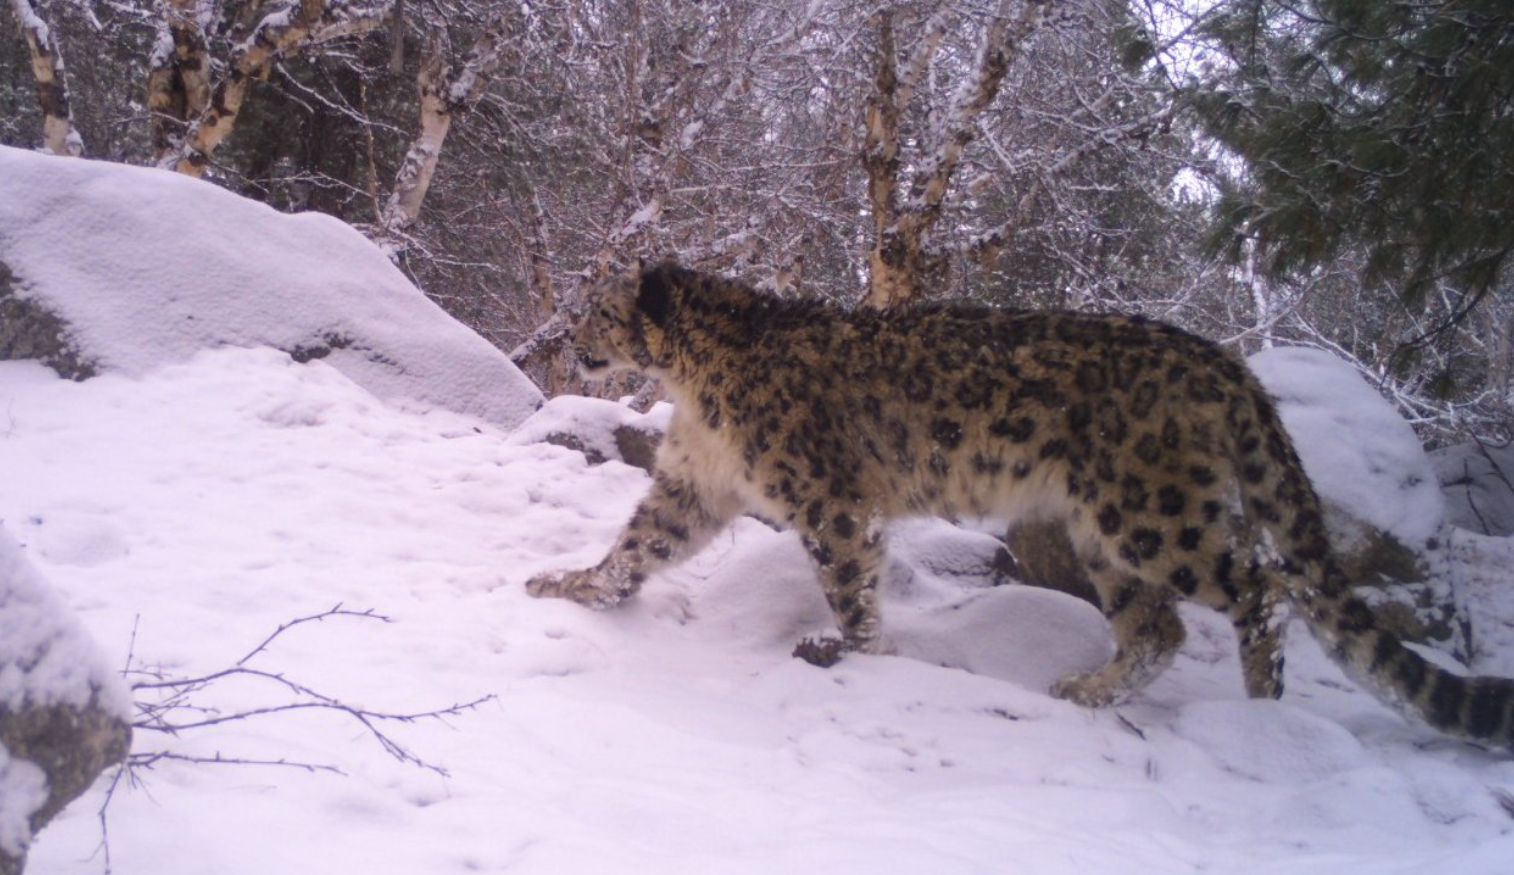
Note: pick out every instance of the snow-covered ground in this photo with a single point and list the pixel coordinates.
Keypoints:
(207, 488)
(197, 505)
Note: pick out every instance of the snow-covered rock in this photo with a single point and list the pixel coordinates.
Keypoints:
(1360, 453)
(1383, 503)
(63, 714)
(144, 268)
(600, 429)
(1043, 556)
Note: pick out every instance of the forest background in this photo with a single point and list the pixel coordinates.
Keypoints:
(1332, 173)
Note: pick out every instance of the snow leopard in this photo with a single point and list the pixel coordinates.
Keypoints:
(1160, 451)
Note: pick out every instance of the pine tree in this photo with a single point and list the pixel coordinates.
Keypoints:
(1383, 125)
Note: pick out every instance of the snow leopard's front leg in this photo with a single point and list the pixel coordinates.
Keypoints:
(670, 524)
(846, 546)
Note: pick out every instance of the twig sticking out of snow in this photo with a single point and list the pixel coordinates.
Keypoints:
(178, 711)
(1505, 799)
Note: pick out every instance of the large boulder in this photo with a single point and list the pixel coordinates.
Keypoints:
(116, 268)
(28, 330)
(64, 716)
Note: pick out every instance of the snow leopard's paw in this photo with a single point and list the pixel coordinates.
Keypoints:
(584, 587)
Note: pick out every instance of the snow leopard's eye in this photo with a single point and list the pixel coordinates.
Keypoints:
(589, 363)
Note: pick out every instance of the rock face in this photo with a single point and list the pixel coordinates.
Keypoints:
(30, 331)
(63, 714)
(1043, 556)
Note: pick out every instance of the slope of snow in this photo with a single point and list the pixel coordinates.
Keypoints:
(1356, 448)
(148, 267)
(205, 502)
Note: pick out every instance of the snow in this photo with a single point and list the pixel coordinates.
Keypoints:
(183, 507)
(1359, 452)
(592, 421)
(23, 790)
(149, 267)
(205, 502)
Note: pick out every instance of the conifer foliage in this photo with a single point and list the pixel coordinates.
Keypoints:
(1381, 125)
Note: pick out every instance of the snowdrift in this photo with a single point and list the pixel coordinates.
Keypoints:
(145, 268)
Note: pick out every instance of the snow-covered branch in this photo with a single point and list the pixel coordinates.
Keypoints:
(178, 78)
(448, 90)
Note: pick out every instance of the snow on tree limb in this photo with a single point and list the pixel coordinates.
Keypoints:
(447, 90)
(178, 79)
(987, 244)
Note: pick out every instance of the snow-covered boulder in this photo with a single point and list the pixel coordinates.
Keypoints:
(1359, 452)
(63, 714)
(1477, 480)
(602, 430)
(118, 268)
(1383, 503)
(30, 331)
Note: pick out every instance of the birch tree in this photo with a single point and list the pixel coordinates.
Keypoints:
(448, 88)
(178, 79)
(686, 138)
(279, 31)
(1011, 151)
(901, 220)
(58, 134)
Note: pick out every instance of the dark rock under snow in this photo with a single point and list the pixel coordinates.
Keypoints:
(63, 714)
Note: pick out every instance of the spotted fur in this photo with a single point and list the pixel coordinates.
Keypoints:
(1162, 453)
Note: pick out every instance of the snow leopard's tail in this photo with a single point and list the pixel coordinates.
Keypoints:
(1477, 709)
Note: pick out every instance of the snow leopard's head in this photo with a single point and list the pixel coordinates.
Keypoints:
(620, 326)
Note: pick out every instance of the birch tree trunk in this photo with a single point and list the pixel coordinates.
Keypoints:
(898, 260)
(447, 91)
(178, 79)
(290, 28)
(58, 134)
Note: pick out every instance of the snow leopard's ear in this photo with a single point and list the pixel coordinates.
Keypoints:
(655, 297)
